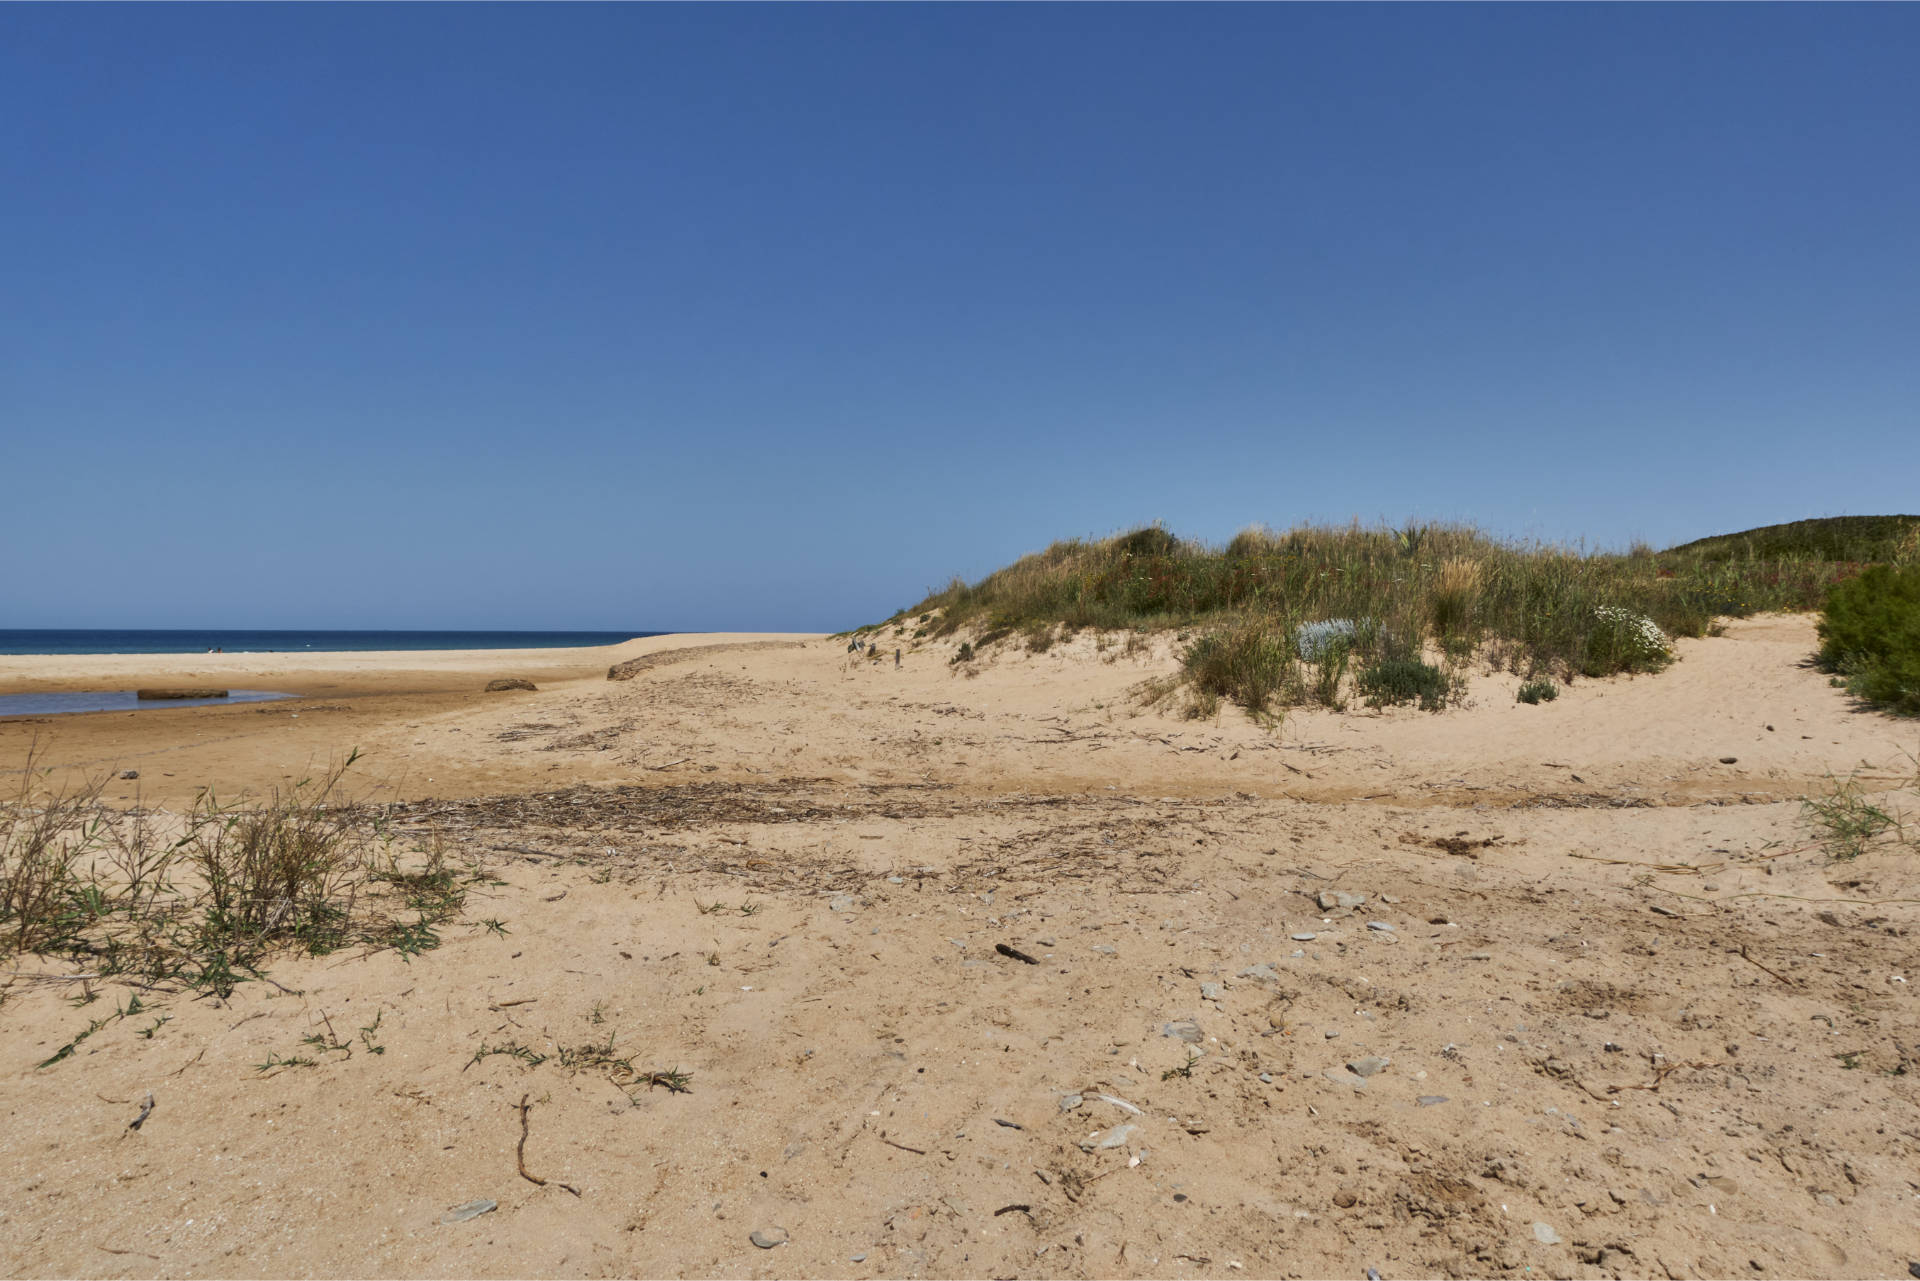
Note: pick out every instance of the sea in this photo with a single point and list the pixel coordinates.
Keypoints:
(54, 640)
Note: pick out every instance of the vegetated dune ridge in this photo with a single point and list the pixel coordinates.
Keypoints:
(1636, 1019)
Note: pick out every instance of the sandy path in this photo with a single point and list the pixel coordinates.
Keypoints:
(857, 1043)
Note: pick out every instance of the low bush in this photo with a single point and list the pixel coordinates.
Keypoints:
(1623, 641)
(1538, 691)
(1250, 664)
(1402, 680)
(1870, 634)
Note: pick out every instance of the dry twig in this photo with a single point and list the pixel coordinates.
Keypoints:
(520, 1153)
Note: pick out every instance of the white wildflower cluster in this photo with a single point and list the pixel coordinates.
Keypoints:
(1316, 640)
(1639, 630)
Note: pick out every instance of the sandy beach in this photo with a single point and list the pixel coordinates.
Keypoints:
(990, 969)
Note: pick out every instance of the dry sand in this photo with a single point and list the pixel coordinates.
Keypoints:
(1635, 1021)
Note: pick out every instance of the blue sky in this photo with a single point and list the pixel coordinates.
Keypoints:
(773, 317)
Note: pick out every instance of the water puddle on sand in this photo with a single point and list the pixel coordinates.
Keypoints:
(119, 700)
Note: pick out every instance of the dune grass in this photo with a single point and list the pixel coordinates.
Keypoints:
(1431, 594)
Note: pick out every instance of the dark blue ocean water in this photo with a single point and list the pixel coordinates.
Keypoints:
(84, 641)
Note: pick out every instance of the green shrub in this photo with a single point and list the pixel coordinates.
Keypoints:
(962, 655)
(1402, 680)
(1250, 664)
(1870, 633)
(1622, 641)
(1538, 691)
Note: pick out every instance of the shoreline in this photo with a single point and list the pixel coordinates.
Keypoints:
(385, 703)
(341, 671)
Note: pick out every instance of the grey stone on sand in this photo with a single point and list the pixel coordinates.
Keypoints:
(1430, 1100)
(1380, 926)
(1115, 1138)
(1544, 1234)
(1340, 1076)
(506, 683)
(469, 1210)
(843, 903)
(1068, 1102)
(1182, 1030)
(1212, 991)
(1304, 936)
(129, 774)
(1331, 899)
(1262, 973)
(767, 1238)
(1372, 1065)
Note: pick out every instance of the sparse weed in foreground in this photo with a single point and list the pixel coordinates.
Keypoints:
(1847, 823)
(232, 884)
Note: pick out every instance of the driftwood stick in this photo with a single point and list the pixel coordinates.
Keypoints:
(520, 1153)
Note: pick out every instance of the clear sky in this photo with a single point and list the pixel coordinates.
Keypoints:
(773, 317)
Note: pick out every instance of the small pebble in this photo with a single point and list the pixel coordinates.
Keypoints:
(1479, 956)
(1182, 1030)
(1303, 937)
(1340, 1076)
(1380, 926)
(1104, 949)
(1332, 1032)
(1372, 1065)
(1430, 1100)
(1212, 991)
(896, 880)
(1729, 760)
(1266, 1078)
(767, 1238)
(858, 1258)
(1545, 1235)
(469, 1210)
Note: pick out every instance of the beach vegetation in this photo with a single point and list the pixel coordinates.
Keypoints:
(1870, 636)
(204, 901)
(1283, 618)
(1538, 690)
